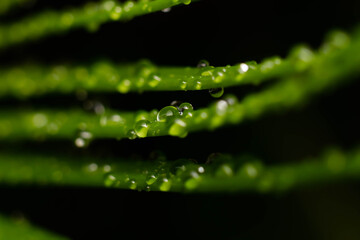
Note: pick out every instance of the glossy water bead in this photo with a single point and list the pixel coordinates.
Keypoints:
(186, 109)
(141, 128)
(216, 92)
(167, 113)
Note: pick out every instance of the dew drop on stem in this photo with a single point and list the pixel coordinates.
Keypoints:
(203, 64)
(216, 92)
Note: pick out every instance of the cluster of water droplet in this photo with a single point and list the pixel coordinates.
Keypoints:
(170, 117)
(187, 174)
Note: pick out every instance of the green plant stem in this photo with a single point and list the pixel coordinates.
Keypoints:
(324, 73)
(90, 16)
(35, 80)
(28, 81)
(21, 229)
(223, 173)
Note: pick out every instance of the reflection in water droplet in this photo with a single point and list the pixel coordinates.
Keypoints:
(224, 170)
(176, 104)
(109, 180)
(107, 168)
(221, 107)
(167, 114)
(92, 167)
(166, 10)
(83, 140)
(151, 179)
(141, 128)
(203, 64)
(132, 184)
(186, 109)
(243, 68)
(198, 85)
(216, 92)
(183, 85)
(154, 81)
(165, 185)
(231, 99)
(124, 86)
(131, 134)
(116, 13)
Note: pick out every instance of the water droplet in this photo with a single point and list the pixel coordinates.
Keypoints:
(221, 107)
(186, 2)
(116, 13)
(92, 167)
(109, 180)
(165, 185)
(131, 134)
(132, 184)
(216, 92)
(178, 129)
(183, 85)
(154, 81)
(203, 64)
(151, 179)
(231, 99)
(251, 170)
(142, 128)
(176, 104)
(39, 120)
(99, 108)
(224, 170)
(198, 85)
(83, 140)
(124, 86)
(167, 113)
(141, 115)
(128, 6)
(219, 78)
(243, 68)
(186, 109)
(107, 168)
(166, 10)
(108, 5)
(95, 106)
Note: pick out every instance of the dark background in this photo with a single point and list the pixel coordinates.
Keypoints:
(223, 32)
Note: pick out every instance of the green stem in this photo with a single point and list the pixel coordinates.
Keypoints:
(34, 80)
(90, 16)
(222, 174)
(323, 74)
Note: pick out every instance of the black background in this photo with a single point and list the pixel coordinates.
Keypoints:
(223, 32)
